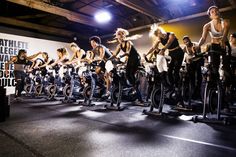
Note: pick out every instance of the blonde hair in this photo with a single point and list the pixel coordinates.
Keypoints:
(124, 33)
(154, 27)
(73, 44)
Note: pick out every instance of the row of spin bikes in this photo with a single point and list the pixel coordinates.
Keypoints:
(82, 83)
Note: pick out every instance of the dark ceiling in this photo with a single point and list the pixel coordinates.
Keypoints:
(69, 18)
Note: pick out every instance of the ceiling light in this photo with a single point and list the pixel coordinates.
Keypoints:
(102, 16)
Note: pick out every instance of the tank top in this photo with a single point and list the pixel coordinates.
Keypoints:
(41, 61)
(21, 61)
(83, 55)
(107, 54)
(64, 60)
(134, 57)
(174, 44)
(213, 33)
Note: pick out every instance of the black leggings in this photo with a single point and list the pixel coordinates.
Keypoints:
(19, 78)
(130, 74)
(174, 66)
(195, 74)
(215, 63)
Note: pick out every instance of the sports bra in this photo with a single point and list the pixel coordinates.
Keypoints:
(214, 33)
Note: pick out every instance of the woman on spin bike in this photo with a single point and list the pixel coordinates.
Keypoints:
(20, 61)
(78, 54)
(132, 56)
(63, 57)
(170, 42)
(218, 28)
(102, 54)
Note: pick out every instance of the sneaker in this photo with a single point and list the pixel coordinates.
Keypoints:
(139, 102)
(107, 94)
(180, 104)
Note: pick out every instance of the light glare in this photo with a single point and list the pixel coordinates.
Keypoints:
(102, 17)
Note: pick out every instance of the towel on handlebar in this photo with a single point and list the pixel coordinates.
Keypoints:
(161, 63)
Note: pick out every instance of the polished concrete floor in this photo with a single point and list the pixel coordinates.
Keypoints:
(53, 129)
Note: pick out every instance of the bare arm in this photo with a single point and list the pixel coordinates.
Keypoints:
(116, 52)
(128, 46)
(12, 60)
(226, 30)
(73, 56)
(58, 60)
(79, 54)
(170, 41)
(154, 47)
(89, 57)
(33, 56)
(44, 65)
(101, 53)
(204, 34)
(36, 65)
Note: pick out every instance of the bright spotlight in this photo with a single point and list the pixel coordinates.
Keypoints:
(102, 17)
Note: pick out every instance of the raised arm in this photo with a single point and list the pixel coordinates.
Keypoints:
(33, 56)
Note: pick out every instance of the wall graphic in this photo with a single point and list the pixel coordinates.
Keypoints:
(9, 46)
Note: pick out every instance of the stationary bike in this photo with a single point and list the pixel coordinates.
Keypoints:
(29, 84)
(213, 92)
(55, 83)
(40, 82)
(94, 86)
(121, 90)
(73, 88)
(161, 91)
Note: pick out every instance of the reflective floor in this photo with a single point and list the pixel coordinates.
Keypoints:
(41, 128)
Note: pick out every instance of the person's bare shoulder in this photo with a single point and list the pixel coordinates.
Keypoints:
(207, 26)
(13, 58)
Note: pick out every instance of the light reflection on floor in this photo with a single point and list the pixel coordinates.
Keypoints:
(92, 114)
